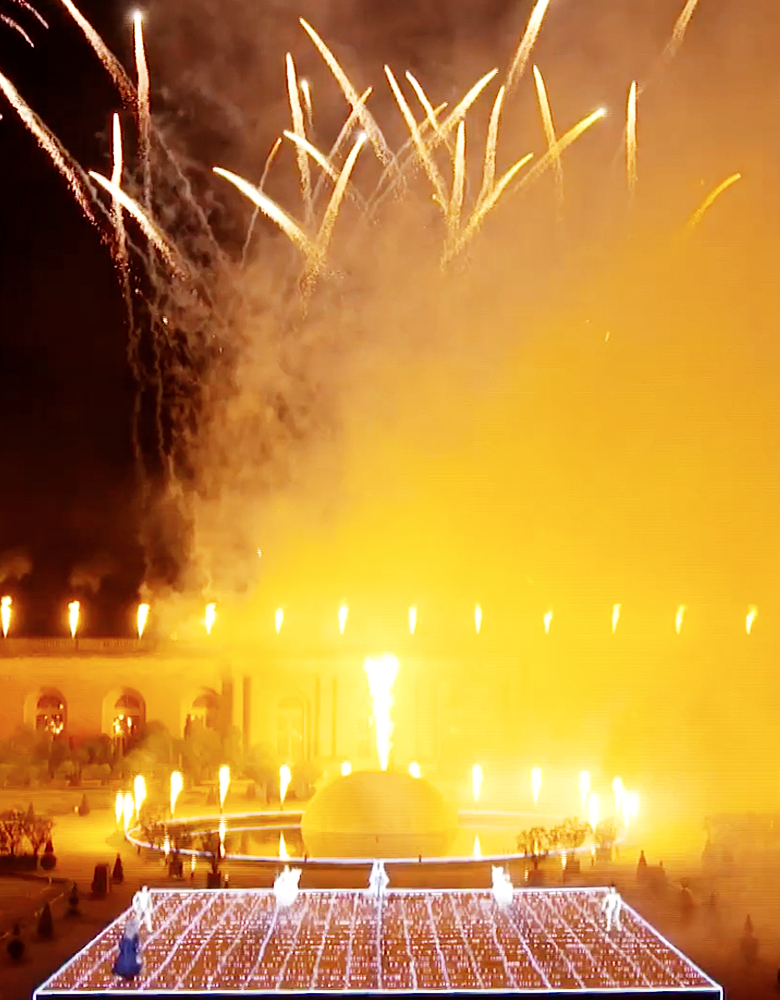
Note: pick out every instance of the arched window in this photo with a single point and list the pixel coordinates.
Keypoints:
(291, 730)
(204, 711)
(128, 717)
(50, 714)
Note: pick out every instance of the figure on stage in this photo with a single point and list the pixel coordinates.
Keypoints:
(612, 906)
(378, 880)
(286, 886)
(128, 961)
(142, 907)
(502, 886)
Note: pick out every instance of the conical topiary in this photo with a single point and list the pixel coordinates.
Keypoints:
(45, 923)
(118, 874)
(84, 807)
(15, 946)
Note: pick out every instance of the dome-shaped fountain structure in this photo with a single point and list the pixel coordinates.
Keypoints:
(372, 814)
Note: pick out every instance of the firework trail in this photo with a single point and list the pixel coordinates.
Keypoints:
(680, 27)
(15, 26)
(696, 218)
(366, 119)
(458, 186)
(288, 225)
(341, 138)
(31, 10)
(631, 149)
(112, 65)
(489, 168)
(527, 42)
(253, 222)
(421, 146)
(478, 216)
(116, 180)
(463, 106)
(422, 97)
(421, 149)
(59, 156)
(148, 228)
(549, 133)
(331, 213)
(144, 112)
(299, 129)
(123, 264)
(307, 105)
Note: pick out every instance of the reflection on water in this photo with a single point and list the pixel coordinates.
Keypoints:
(260, 842)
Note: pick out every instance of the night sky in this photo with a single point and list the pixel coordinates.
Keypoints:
(68, 496)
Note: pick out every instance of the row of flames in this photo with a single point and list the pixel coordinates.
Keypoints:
(626, 801)
(210, 618)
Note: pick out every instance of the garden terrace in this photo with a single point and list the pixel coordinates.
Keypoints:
(229, 942)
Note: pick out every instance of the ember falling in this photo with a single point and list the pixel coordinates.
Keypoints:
(486, 402)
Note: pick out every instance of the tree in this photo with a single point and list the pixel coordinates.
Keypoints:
(572, 833)
(535, 842)
(84, 806)
(38, 831)
(13, 830)
(605, 834)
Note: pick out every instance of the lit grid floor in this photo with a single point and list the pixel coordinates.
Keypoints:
(223, 942)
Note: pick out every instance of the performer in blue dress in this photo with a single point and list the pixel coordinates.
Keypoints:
(128, 962)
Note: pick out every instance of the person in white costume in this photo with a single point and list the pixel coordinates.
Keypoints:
(612, 906)
(142, 907)
(378, 880)
(502, 886)
(286, 886)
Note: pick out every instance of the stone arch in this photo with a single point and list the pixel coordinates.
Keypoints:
(124, 713)
(201, 707)
(46, 711)
(292, 728)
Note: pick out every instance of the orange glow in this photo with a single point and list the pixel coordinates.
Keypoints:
(285, 777)
(73, 617)
(128, 810)
(343, 615)
(477, 618)
(477, 777)
(678, 618)
(139, 792)
(222, 832)
(279, 620)
(412, 620)
(593, 810)
(615, 617)
(382, 672)
(119, 807)
(211, 617)
(5, 614)
(177, 784)
(751, 617)
(619, 791)
(283, 848)
(477, 849)
(141, 618)
(547, 619)
(584, 787)
(224, 784)
(536, 783)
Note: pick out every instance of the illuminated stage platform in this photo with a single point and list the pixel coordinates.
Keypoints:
(235, 942)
